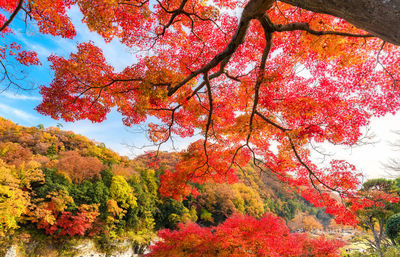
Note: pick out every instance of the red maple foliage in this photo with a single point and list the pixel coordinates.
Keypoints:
(242, 236)
(68, 224)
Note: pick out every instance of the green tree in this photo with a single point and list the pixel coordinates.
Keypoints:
(122, 193)
(106, 177)
(393, 227)
(90, 193)
(145, 187)
(169, 213)
(53, 182)
(52, 150)
(374, 217)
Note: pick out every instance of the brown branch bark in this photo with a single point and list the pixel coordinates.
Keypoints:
(305, 27)
(254, 9)
(12, 16)
(210, 112)
(378, 17)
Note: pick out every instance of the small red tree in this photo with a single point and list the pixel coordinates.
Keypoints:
(52, 217)
(78, 224)
(242, 236)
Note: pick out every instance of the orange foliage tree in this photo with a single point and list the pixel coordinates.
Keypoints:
(77, 167)
(311, 223)
(14, 154)
(235, 78)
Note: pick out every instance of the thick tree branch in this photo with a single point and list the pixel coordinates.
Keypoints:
(271, 122)
(210, 112)
(12, 16)
(305, 27)
(378, 17)
(268, 44)
(175, 13)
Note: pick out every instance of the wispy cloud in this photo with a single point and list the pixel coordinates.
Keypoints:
(42, 51)
(5, 109)
(21, 97)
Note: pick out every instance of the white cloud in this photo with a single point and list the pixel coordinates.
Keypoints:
(14, 96)
(42, 51)
(7, 110)
(370, 159)
(89, 129)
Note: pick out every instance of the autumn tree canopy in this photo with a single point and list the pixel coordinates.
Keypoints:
(242, 236)
(247, 75)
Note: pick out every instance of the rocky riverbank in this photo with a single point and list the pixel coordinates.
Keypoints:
(84, 248)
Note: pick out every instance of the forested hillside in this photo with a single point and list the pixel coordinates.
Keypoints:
(258, 81)
(58, 185)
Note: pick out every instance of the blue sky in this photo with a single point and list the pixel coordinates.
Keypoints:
(18, 106)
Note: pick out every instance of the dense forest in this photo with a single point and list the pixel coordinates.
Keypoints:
(57, 187)
(61, 185)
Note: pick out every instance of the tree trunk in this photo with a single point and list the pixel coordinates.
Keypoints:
(378, 17)
(377, 242)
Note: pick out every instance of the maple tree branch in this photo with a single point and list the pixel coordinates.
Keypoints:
(165, 130)
(89, 87)
(383, 66)
(174, 13)
(311, 172)
(268, 44)
(173, 110)
(189, 14)
(260, 78)
(225, 54)
(6, 76)
(169, 128)
(180, 11)
(135, 5)
(253, 10)
(306, 27)
(12, 16)
(299, 159)
(194, 93)
(201, 85)
(271, 122)
(232, 77)
(255, 159)
(210, 111)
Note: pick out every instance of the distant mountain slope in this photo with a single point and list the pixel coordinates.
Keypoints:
(62, 185)
(51, 141)
(276, 196)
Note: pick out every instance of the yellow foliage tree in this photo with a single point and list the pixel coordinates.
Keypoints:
(122, 193)
(311, 223)
(13, 200)
(247, 200)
